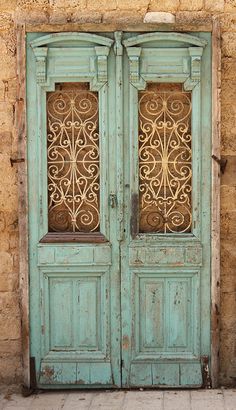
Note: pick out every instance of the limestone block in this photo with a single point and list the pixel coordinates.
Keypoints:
(214, 5)
(2, 221)
(9, 316)
(124, 17)
(228, 309)
(230, 5)
(6, 264)
(164, 5)
(159, 17)
(8, 5)
(228, 224)
(228, 22)
(9, 283)
(10, 347)
(228, 198)
(191, 5)
(228, 69)
(86, 17)
(101, 5)
(78, 4)
(5, 241)
(229, 45)
(10, 370)
(127, 4)
(35, 16)
(196, 18)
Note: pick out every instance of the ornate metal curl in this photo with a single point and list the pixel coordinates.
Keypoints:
(165, 161)
(73, 161)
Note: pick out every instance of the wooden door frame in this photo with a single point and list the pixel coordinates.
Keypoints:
(20, 131)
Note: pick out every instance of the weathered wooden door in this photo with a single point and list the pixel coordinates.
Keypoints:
(119, 143)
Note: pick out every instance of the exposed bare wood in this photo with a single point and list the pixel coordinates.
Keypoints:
(215, 282)
(67, 237)
(101, 27)
(20, 129)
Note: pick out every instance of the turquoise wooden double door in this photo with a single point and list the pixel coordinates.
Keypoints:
(119, 139)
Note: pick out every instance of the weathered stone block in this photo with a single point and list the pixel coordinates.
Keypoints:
(228, 198)
(228, 224)
(197, 18)
(86, 17)
(228, 69)
(228, 22)
(214, 5)
(164, 5)
(191, 5)
(10, 370)
(229, 45)
(8, 283)
(9, 316)
(159, 17)
(230, 5)
(78, 4)
(8, 5)
(101, 5)
(34, 17)
(127, 4)
(6, 264)
(122, 17)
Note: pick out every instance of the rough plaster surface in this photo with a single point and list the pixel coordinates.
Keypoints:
(98, 11)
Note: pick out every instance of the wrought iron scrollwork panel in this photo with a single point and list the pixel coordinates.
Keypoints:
(73, 160)
(165, 159)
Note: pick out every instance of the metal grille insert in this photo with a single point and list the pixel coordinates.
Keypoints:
(73, 159)
(165, 159)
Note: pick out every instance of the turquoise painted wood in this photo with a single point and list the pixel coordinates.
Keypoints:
(133, 311)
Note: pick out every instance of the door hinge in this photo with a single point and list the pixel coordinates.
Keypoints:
(206, 377)
(222, 163)
(16, 161)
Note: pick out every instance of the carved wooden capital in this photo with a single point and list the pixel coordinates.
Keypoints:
(41, 56)
(195, 68)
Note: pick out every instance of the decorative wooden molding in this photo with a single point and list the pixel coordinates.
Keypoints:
(71, 37)
(160, 36)
(41, 71)
(102, 54)
(136, 80)
(195, 68)
(118, 47)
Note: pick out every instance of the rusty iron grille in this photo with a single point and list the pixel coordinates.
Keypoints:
(73, 159)
(165, 159)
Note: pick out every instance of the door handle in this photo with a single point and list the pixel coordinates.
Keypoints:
(113, 200)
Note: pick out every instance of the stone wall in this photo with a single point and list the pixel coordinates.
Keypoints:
(112, 11)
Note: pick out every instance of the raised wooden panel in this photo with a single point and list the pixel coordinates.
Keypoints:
(160, 61)
(88, 315)
(61, 313)
(151, 314)
(166, 255)
(75, 318)
(166, 374)
(67, 255)
(77, 373)
(179, 320)
(167, 314)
